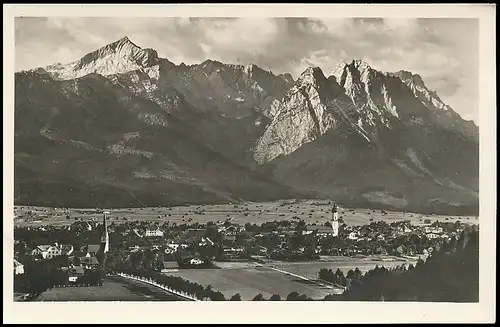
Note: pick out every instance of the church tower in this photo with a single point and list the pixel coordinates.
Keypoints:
(104, 246)
(335, 219)
(105, 235)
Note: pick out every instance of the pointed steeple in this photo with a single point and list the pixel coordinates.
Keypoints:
(105, 235)
(105, 226)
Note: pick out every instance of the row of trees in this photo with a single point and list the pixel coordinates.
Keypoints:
(338, 277)
(293, 296)
(180, 284)
(200, 292)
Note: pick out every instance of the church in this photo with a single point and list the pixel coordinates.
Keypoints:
(335, 219)
(94, 255)
(104, 245)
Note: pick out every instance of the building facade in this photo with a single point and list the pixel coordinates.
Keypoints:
(154, 233)
(51, 251)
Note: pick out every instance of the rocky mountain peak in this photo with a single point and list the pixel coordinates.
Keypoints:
(118, 57)
(355, 65)
(312, 75)
(354, 76)
(287, 77)
(410, 78)
(248, 68)
(420, 90)
(359, 64)
(124, 49)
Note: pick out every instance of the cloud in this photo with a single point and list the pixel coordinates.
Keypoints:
(401, 25)
(443, 51)
(64, 55)
(253, 35)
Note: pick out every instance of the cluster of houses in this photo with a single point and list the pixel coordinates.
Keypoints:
(236, 241)
(85, 258)
(49, 251)
(394, 230)
(79, 261)
(251, 242)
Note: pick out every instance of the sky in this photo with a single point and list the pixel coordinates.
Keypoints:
(444, 51)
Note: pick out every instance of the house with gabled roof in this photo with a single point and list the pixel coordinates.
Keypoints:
(51, 251)
(75, 272)
(170, 266)
(90, 250)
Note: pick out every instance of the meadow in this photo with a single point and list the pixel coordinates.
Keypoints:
(249, 282)
(310, 211)
(276, 277)
(114, 288)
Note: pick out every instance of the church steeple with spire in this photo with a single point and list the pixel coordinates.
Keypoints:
(104, 246)
(105, 235)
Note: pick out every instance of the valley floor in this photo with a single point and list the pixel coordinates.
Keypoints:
(310, 211)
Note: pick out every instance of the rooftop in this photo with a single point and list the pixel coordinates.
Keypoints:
(170, 264)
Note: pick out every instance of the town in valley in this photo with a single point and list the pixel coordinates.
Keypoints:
(291, 249)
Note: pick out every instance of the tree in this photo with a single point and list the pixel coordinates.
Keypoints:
(217, 296)
(303, 297)
(208, 289)
(275, 297)
(310, 252)
(324, 274)
(235, 297)
(258, 297)
(292, 296)
(301, 226)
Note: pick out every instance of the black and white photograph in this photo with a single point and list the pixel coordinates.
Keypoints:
(226, 158)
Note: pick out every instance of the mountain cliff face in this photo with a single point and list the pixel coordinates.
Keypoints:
(363, 135)
(87, 142)
(310, 108)
(129, 122)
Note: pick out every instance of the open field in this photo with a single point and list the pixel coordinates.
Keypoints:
(115, 288)
(257, 213)
(276, 277)
(251, 281)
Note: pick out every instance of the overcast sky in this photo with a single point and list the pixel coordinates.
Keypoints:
(443, 51)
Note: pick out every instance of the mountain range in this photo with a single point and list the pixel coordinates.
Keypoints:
(123, 127)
